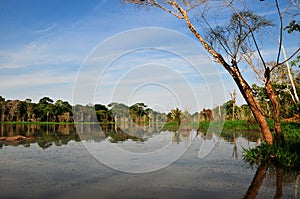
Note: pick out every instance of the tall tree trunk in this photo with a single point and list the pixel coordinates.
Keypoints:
(253, 104)
(295, 96)
(271, 94)
(233, 98)
(233, 70)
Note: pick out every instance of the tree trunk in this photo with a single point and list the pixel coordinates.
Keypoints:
(271, 94)
(290, 76)
(253, 104)
(238, 78)
(233, 97)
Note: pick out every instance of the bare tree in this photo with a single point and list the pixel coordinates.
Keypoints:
(294, 95)
(233, 98)
(234, 46)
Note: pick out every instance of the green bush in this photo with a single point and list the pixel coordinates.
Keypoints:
(285, 156)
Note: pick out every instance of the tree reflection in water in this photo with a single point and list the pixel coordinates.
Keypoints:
(281, 176)
(61, 134)
(44, 135)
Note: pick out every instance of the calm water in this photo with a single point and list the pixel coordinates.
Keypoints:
(60, 162)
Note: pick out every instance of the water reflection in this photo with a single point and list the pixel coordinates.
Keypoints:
(61, 134)
(277, 177)
(46, 135)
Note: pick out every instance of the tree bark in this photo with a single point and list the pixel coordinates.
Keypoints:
(290, 76)
(233, 70)
(271, 94)
(238, 78)
(253, 104)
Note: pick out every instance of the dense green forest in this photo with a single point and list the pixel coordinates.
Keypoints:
(48, 110)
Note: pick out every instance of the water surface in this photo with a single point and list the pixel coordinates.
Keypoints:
(57, 164)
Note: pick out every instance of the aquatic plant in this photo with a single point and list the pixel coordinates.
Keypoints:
(285, 156)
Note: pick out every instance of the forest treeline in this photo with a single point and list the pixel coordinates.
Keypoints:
(48, 110)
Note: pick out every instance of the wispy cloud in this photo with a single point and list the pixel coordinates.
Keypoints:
(35, 78)
(47, 29)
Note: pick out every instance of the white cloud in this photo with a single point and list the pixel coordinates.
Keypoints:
(33, 79)
(47, 29)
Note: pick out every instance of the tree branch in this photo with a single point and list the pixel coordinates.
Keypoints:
(166, 9)
(250, 62)
(280, 33)
(281, 63)
(218, 38)
(251, 32)
(219, 58)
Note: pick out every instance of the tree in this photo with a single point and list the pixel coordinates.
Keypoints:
(46, 109)
(233, 99)
(176, 115)
(45, 101)
(137, 112)
(2, 115)
(119, 112)
(234, 53)
(102, 113)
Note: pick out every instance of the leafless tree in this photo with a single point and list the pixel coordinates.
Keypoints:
(233, 46)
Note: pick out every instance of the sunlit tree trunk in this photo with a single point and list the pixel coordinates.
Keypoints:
(271, 94)
(180, 12)
(243, 86)
(233, 98)
(295, 96)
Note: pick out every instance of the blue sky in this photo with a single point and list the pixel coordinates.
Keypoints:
(47, 46)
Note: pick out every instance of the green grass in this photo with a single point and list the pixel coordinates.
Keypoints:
(242, 125)
(236, 125)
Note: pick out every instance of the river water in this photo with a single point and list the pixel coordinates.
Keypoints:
(59, 162)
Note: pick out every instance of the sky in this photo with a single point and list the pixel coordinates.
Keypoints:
(103, 51)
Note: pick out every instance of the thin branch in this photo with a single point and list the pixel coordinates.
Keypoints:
(219, 58)
(252, 34)
(167, 10)
(281, 63)
(192, 6)
(281, 31)
(214, 33)
(250, 62)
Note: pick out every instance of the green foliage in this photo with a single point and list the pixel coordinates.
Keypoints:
(43, 111)
(296, 61)
(285, 155)
(138, 113)
(293, 26)
(283, 92)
